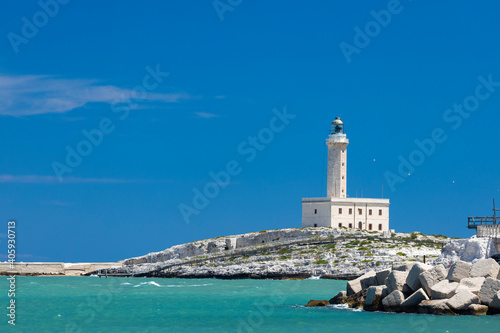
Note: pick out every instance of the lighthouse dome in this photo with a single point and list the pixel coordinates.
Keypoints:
(337, 121)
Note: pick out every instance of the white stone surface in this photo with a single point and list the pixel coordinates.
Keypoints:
(485, 268)
(473, 284)
(488, 290)
(467, 250)
(432, 276)
(415, 299)
(459, 270)
(368, 279)
(382, 276)
(461, 300)
(443, 289)
(392, 302)
(413, 278)
(396, 280)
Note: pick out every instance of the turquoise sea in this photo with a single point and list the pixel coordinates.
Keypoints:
(89, 304)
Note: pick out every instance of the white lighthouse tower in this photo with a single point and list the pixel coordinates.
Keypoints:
(337, 161)
(337, 209)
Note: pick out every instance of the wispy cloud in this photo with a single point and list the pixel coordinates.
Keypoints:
(38, 179)
(30, 95)
(206, 115)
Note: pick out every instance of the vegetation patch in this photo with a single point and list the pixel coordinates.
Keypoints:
(320, 262)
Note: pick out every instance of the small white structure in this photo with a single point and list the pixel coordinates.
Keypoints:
(337, 210)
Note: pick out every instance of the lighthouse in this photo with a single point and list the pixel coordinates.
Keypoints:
(337, 161)
(338, 209)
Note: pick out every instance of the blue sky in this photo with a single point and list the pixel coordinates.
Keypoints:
(160, 95)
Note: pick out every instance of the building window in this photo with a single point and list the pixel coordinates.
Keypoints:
(360, 225)
(380, 227)
(342, 177)
(369, 226)
(340, 210)
(315, 211)
(350, 225)
(380, 212)
(360, 211)
(340, 225)
(350, 211)
(369, 212)
(342, 164)
(315, 225)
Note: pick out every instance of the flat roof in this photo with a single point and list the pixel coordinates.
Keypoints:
(347, 200)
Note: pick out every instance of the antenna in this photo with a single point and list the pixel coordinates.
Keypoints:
(382, 190)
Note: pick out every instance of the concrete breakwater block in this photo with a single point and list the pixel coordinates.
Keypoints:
(432, 276)
(396, 280)
(459, 270)
(374, 296)
(485, 268)
(393, 301)
(443, 289)
(461, 300)
(488, 290)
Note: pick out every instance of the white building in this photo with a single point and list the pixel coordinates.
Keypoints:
(337, 210)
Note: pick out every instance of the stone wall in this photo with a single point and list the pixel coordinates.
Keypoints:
(53, 268)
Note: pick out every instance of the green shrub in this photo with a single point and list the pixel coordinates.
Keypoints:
(320, 262)
(284, 251)
(329, 246)
(401, 254)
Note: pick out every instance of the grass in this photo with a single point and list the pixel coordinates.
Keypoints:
(284, 251)
(401, 254)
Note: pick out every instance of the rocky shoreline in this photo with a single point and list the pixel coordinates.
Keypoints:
(294, 253)
(464, 288)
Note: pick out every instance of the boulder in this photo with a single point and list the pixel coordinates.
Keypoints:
(459, 270)
(363, 282)
(317, 303)
(495, 302)
(353, 287)
(374, 296)
(432, 276)
(443, 289)
(381, 276)
(410, 304)
(368, 279)
(435, 307)
(396, 281)
(476, 310)
(488, 290)
(403, 267)
(473, 284)
(486, 268)
(392, 302)
(340, 298)
(461, 300)
(413, 278)
(357, 300)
